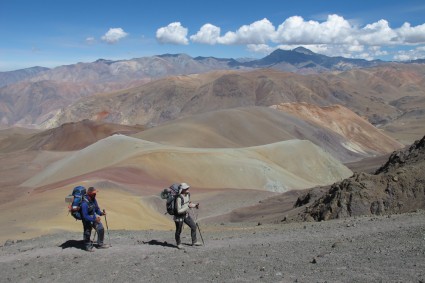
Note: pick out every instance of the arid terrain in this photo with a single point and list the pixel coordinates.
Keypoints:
(273, 152)
(300, 178)
(362, 249)
(255, 244)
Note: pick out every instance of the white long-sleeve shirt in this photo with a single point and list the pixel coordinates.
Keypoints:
(183, 206)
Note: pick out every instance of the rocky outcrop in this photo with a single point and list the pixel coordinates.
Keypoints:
(397, 187)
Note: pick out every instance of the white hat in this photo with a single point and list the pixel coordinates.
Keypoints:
(184, 186)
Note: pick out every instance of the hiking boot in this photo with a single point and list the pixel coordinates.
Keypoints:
(90, 249)
(197, 244)
(104, 246)
(180, 246)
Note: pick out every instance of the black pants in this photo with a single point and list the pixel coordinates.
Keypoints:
(179, 227)
(87, 233)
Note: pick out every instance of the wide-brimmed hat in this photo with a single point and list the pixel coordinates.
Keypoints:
(184, 186)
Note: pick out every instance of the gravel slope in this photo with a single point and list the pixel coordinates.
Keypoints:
(363, 249)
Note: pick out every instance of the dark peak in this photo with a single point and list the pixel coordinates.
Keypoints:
(201, 58)
(303, 50)
(299, 50)
(105, 61)
(36, 68)
(277, 52)
(280, 55)
(245, 59)
(168, 55)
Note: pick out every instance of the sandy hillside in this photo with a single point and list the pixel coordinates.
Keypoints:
(224, 178)
(67, 137)
(276, 167)
(131, 172)
(44, 213)
(336, 129)
(396, 185)
(360, 134)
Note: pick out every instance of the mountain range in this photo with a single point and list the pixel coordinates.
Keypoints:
(153, 90)
(390, 97)
(238, 131)
(158, 66)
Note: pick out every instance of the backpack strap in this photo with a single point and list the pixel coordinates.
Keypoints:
(175, 204)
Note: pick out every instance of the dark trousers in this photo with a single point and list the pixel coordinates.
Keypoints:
(179, 227)
(88, 226)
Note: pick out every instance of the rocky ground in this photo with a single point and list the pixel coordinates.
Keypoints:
(357, 249)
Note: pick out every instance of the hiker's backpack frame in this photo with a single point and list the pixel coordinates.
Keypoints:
(171, 205)
(78, 194)
(172, 194)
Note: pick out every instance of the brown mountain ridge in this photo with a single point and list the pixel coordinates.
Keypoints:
(372, 93)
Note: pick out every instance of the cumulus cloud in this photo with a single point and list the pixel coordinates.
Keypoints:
(208, 34)
(379, 33)
(114, 35)
(412, 35)
(260, 48)
(412, 54)
(174, 33)
(335, 36)
(259, 32)
(295, 30)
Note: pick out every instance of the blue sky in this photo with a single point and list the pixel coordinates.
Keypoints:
(52, 33)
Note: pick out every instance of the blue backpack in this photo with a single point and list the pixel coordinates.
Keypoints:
(77, 196)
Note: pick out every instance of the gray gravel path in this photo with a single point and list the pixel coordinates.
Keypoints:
(364, 249)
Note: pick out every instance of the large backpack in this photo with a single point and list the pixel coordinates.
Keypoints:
(75, 200)
(172, 195)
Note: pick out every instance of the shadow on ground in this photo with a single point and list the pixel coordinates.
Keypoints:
(158, 243)
(73, 244)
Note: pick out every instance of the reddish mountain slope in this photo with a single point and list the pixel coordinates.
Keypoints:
(68, 137)
(372, 93)
(359, 133)
(336, 129)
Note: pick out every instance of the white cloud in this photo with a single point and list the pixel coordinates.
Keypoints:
(258, 32)
(114, 35)
(413, 54)
(174, 33)
(294, 30)
(413, 35)
(208, 34)
(334, 36)
(260, 48)
(378, 33)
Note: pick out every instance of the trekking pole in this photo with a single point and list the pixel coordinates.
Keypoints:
(107, 228)
(94, 236)
(195, 216)
(200, 234)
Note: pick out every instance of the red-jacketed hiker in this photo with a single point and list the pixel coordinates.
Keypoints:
(91, 219)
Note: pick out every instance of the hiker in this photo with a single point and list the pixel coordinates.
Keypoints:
(183, 216)
(91, 219)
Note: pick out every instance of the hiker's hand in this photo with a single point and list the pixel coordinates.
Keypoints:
(197, 205)
(98, 219)
(103, 212)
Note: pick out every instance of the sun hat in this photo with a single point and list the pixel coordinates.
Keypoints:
(184, 186)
